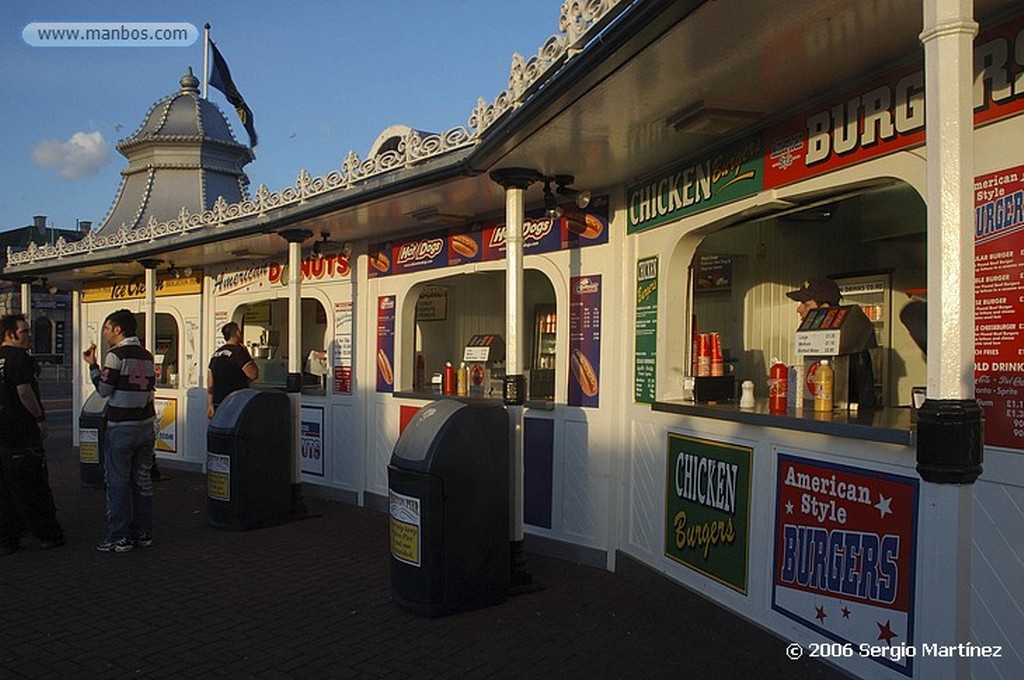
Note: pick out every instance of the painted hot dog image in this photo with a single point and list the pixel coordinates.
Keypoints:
(594, 227)
(384, 366)
(464, 245)
(380, 261)
(585, 224)
(584, 372)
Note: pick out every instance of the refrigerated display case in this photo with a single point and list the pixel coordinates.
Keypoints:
(542, 370)
(873, 293)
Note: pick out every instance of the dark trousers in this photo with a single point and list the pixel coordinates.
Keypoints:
(26, 501)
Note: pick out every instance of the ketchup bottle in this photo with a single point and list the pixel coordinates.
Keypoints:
(778, 384)
(449, 378)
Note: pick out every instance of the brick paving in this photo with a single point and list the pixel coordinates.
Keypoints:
(312, 599)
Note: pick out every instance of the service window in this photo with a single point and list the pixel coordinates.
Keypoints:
(166, 349)
(873, 244)
(265, 329)
(451, 312)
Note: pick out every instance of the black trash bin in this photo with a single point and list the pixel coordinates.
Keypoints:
(248, 460)
(90, 441)
(449, 504)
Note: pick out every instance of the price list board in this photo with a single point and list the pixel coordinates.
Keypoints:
(646, 333)
(999, 305)
(585, 340)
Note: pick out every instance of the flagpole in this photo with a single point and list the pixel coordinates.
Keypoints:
(206, 59)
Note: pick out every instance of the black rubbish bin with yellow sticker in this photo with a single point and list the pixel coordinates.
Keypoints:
(249, 459)
(91, 425)
(448, 492)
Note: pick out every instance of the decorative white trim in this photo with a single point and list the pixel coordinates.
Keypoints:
(579, 22)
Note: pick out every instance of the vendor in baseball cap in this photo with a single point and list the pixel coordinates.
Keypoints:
(821, 291)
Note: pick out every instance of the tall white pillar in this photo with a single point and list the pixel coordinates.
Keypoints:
(295, 237)
(949, 449)
(515, 181)
(26, 300)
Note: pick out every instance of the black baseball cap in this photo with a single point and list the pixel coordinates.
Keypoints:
(821, 290)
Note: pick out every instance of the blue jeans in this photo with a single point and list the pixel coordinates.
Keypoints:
(127, 459)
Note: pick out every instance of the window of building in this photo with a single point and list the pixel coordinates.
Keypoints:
(445, 315)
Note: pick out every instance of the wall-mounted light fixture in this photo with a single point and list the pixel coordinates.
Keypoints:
(178, 273)
(579, 196)
(551, 207)
(325, 247)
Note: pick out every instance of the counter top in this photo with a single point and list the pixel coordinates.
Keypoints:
(433, 396)
(889, 425)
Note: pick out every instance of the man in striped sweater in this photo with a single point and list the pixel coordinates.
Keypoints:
(127, 379)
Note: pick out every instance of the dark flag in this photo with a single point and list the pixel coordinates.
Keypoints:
(220, 78)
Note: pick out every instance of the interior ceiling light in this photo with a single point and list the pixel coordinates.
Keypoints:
(702, 119)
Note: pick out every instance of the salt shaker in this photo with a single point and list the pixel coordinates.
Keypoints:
(747, 395)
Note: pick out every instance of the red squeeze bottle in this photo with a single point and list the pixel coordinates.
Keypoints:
(449, 378)
(778, 384)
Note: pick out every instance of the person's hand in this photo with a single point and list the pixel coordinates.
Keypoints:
(209, 412)
(44, 430)
(90, 354)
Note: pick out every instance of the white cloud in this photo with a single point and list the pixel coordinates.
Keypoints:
(81, 156)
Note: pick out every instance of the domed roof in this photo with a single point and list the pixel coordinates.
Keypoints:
(182, 156)
(183, 114)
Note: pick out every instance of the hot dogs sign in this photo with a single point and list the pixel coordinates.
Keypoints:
(584, 340)
(457, 246)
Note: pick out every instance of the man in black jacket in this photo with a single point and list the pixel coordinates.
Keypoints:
(26, 499)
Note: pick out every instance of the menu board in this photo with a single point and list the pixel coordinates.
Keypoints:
(343, 347)
(584, 340)
(645, 360)
(999, 304)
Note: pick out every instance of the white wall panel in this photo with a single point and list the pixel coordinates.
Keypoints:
(644, 479)
(385, 434)
(997, 605)
(347, 450)
(584, 480)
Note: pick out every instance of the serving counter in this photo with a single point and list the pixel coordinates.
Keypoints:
(888, 425)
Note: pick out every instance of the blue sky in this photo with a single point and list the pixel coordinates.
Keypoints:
(322, 77)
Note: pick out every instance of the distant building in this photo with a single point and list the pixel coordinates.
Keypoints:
(51, 308)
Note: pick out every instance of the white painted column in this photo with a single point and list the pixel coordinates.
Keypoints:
(294, 349)
(150, 306)
(947, 496)
(295, 237)
(26, 300)
(948, 39)
(515, 182)
(514, 353)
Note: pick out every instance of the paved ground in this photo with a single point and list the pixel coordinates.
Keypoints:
(312, 599)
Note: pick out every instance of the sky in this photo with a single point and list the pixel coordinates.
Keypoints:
(322, 77)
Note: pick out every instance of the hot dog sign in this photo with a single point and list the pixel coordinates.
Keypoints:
(585, 340)
(481, 243)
